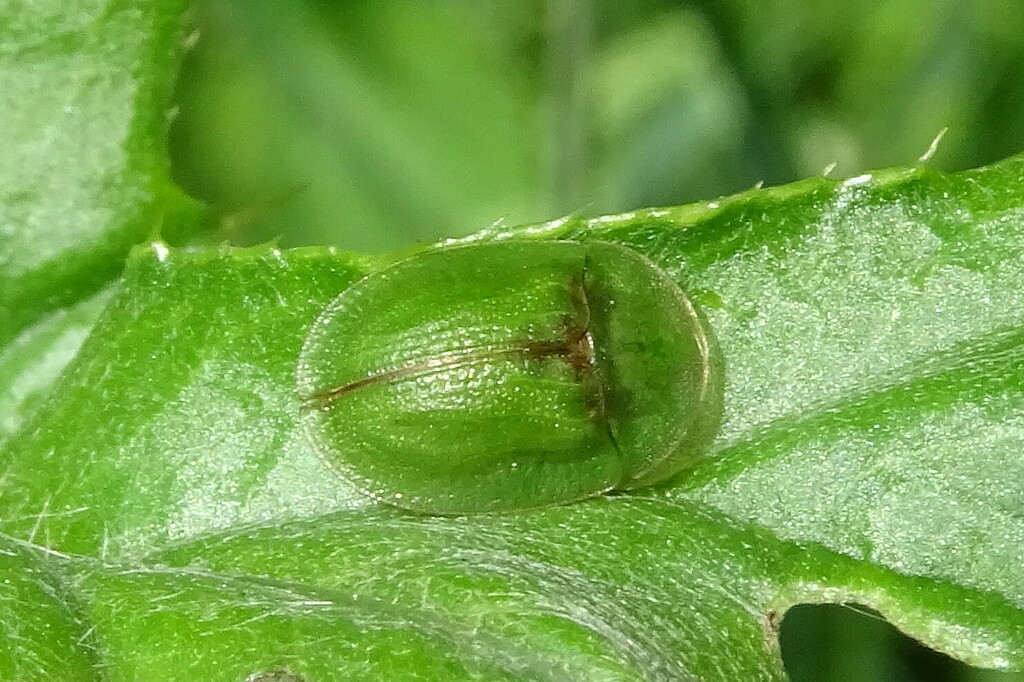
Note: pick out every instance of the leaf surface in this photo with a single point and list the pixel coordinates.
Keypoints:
(870, 454)
(84, 107)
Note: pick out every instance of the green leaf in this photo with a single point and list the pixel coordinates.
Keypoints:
(871, 331)
(84, 109)
(36, 357)
(43, 638)
(874, 339)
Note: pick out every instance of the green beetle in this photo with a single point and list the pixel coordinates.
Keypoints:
(508, 375)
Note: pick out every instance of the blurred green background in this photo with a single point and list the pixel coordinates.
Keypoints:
(380, 125)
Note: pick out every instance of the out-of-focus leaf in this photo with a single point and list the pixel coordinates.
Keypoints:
(391, 134)
(869, 84)
(84, 105)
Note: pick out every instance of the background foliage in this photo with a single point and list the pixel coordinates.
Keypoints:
(411, 122)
